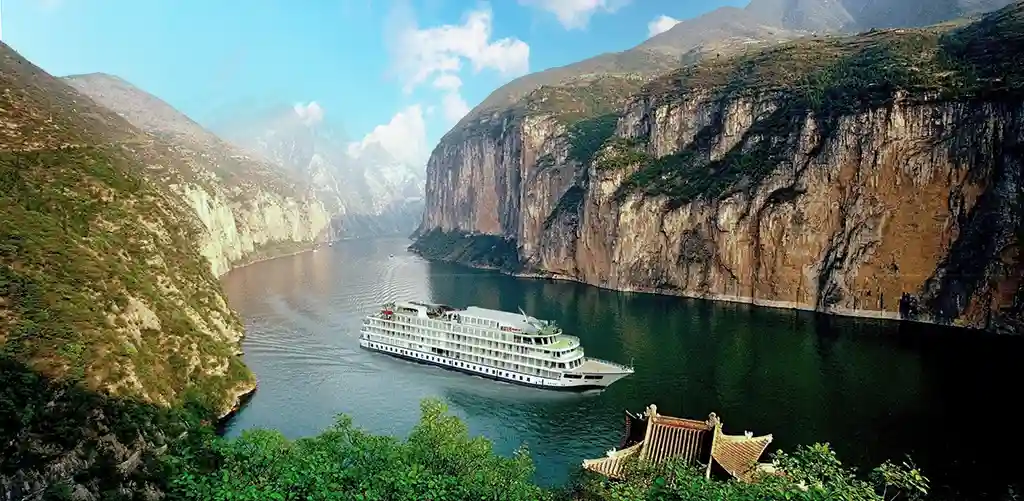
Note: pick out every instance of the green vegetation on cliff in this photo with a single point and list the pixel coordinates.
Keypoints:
(485, 251)
(100, 277)
(113, 330)
(825, 79)
(586, 106)
(111, 325)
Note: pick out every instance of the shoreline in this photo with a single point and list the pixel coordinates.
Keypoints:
(260, 260)
(722, 298)
(303, 251)
(241, 401)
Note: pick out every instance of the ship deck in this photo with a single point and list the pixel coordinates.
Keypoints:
(559, 345)
(594, 366)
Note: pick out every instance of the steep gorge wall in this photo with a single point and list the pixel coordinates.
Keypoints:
(907, 207)
(261, 226)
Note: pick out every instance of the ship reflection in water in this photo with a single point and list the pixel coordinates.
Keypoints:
(873, 390)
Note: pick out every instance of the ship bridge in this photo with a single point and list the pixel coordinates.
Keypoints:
(519, 323)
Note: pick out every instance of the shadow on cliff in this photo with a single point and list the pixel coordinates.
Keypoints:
(61, 441)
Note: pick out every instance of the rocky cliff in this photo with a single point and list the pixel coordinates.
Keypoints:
(875, 175)
(249, 207)
(111, 321)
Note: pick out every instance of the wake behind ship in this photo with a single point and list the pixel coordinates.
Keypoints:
(512, 347)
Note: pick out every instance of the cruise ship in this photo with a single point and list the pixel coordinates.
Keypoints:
(512, 347)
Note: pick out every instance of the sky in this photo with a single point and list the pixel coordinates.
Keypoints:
(397, 72)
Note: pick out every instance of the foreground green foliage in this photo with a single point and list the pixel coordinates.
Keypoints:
(440, 461)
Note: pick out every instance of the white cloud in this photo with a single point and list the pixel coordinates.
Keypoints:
(448, 82)
(575, 14)
(454, 106)
(404, 137)
(438, 54)
(660, 25)
(421, 53)
(310, 114)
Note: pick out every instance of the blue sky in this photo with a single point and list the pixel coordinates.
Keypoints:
(400, 72)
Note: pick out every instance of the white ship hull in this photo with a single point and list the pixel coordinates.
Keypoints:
(490, 343)
(576, 380)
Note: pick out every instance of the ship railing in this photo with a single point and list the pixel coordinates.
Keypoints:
(613, 364)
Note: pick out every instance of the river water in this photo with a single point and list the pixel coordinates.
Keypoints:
(874, 390)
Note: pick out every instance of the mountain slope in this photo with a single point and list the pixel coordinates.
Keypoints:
(251, 209)
(876, 175)
(109, 315)
(656, 55)
(863, 15)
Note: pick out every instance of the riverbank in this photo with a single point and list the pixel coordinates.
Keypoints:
(764, 303)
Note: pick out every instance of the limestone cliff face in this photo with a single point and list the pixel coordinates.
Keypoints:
(262, 226)
(250, 209)
(908, 206)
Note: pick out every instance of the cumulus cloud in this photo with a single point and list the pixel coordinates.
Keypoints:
(454, 106)
(439, 55)
(404, 137)
(660, 24)
(576, 14)
(448, 82)
(422, 53)
(310, 114)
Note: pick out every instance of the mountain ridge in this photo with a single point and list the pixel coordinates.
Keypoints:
(764, 20)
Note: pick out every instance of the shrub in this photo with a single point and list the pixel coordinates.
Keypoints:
(438, 461)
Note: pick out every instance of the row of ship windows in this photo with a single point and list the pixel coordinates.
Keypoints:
(487, 332)
(464, 365)
(508, 364)
(498, 344)
(435, 324)
(480, 349)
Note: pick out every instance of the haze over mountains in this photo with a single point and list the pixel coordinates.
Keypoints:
(366, 191)
(358, 181)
